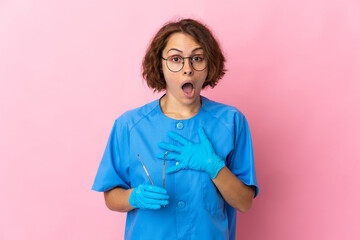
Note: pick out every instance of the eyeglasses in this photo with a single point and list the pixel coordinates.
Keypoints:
(147, 173)
(176, 63)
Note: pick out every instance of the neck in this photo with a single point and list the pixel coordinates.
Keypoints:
(172, 108)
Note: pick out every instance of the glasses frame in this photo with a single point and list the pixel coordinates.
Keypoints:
(183, 63)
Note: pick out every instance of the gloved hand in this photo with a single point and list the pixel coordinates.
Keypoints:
(194, 156)
(147, 196)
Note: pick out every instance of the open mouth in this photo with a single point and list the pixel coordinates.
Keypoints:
(188, 89)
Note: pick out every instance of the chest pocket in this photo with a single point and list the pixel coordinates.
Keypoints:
(212, 199)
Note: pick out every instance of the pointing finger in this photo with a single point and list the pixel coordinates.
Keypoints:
(177, 138)
(168, 146)
(174, 169)
(203, 137)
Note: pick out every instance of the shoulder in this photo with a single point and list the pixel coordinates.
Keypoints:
(132, 117)
(228, 116)
(221, 110)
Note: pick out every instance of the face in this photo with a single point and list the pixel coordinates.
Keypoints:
(186, 84)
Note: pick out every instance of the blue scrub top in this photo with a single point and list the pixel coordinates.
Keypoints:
(196, 209)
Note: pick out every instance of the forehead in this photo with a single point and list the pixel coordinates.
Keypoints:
(182, 42)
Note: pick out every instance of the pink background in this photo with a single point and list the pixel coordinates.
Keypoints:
(69, 68)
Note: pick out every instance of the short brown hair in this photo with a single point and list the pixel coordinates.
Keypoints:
(151, 64)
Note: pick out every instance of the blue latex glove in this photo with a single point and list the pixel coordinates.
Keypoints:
(147, 196)
(201, 157)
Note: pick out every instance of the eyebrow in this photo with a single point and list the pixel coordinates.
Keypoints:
(199, 48)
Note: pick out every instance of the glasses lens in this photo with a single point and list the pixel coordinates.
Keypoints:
(175, 63)
(198, 62)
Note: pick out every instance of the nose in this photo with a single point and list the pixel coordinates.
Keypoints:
(188, 70)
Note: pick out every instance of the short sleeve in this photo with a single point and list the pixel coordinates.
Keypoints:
(112, 171)
(241, 159)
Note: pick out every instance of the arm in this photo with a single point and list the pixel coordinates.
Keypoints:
(117, 199)
(233, 190)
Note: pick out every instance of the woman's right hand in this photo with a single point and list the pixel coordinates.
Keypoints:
(147, 196)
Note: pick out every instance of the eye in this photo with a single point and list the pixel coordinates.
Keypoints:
(176, 59)
(198, 58)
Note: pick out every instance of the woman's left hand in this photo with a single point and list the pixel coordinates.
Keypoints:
(201, 157)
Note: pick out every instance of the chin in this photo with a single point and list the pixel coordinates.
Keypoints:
(191, 100)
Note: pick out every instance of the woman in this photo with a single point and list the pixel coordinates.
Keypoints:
(205, 145)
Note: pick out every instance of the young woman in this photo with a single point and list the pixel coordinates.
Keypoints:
(182, 165)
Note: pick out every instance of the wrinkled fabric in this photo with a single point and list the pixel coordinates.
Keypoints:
(196, 209)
